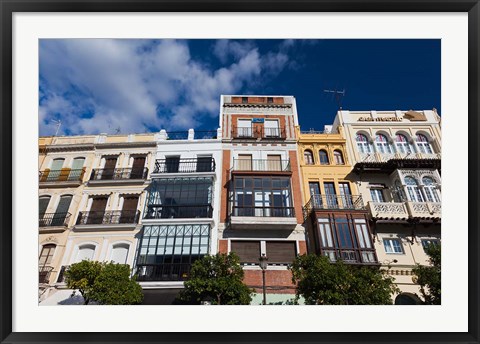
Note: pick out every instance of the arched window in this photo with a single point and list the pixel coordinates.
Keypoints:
(362, 144)
(323, 157)
(85, 252)
(62, 211)
(414, 193)
(383, 146)
(423, 144)
(120, 253)
(430, 190)
(308, 156)
(403, 146)
(43, 205)
(338, 157)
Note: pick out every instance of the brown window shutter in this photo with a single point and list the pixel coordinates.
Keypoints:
(281, 251)
(248, 251)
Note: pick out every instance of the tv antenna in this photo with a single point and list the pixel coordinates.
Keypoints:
(338, 96)
(58, 123)
(117, 130)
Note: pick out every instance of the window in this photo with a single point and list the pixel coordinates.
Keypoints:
(244, 100)
(323, 157)
(382, 144)
(362, 144)
(330, 195)
(55, 169)
(46, 255)
(43, 205)
(364, 241)
(338, 157)
(414, 193)
(428, 242)
(138, 167)
(274, 162)
(244, 128)
(393, 246)
(244, 162)
(204, 164)
(403, 146)
(129, 209)
(270, 100)
(423, 144)
(377, 195)
(172, 163)
(271, 128)
(97, 211)
(262, 196)
(346, 195)
(430, 190)
(166, 252)
(85, 252)
(62, 211)
(308, 157)
(77, 169)
(281, 252)
(108, 171)
(120, 253)
(248, 251)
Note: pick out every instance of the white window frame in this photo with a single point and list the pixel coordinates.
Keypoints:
(363, 146)
(382, 144)
(388, 242)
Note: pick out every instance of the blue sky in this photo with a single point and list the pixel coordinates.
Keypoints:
(137, 86)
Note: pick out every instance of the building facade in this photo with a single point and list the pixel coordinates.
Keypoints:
(261, 200)
(335, 213)
(396, 158)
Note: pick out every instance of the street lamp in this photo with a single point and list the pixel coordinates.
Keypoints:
(263, 265)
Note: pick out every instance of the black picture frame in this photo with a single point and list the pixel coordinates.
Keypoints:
(9, 7)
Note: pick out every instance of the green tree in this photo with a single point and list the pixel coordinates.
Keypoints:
(321, 282)
(115, 287)
(218, 278)
(104, 283)
(429, 277)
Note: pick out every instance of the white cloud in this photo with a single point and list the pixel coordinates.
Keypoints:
(99, 85)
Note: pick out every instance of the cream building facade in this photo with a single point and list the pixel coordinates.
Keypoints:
(396, 158)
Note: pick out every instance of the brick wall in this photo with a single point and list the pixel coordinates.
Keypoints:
(276, 281)
(225, 181)
(223, 246)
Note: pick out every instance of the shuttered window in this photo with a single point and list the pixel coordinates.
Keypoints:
(248, 251)
(43, 205)
(281, 252)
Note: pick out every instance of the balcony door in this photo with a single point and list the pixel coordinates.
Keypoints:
(172, 163)
(346, 195)
(204, 164)
(109, 168)
(138, 167)
(77, 169)
(244, 162)
(62, 210)
(274, 162)
(129, 209)
(42, 206)
(330, 195)
(271, 128)
(315, 194)
(55, 169)
(97, 210)
(244, 128)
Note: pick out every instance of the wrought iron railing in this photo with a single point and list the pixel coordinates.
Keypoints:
(119, 173)
(108, 217)
(263, 211)
(54, 219)
(164, 272)
(177, 135)
(62, 175)
(44, 274)
(190, 165)
(256, 132)
(325, 202)
(352, 256)
(179, 211)
(261, 165)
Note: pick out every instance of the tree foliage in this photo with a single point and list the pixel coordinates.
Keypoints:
(218, 278)
(429, 277)
(104, 283)
(321, 282)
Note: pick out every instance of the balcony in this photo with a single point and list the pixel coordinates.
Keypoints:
(397, 211)
(385, 157)
(179, 211)
(61, 178)
(259, 132)
(116, 219)
(263, 218)
(122, 175)
(333, 202)
(261, 165)
(351, 256)
(163, 272)
(192, 165)
(48, 221)
(44, 273)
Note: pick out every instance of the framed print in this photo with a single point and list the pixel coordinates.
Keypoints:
(278, 137)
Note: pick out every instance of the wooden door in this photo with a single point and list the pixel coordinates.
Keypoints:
(97, 210)
(137, 167)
